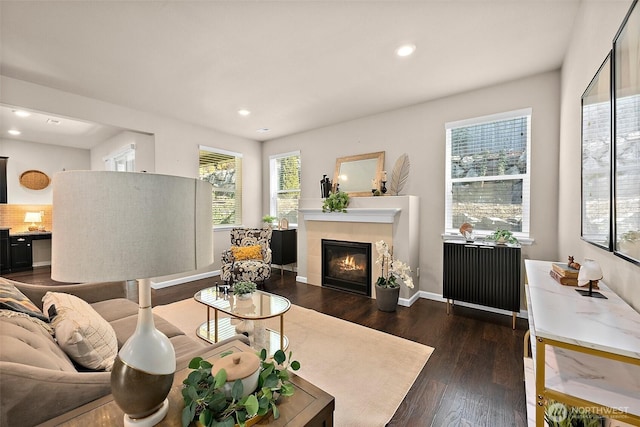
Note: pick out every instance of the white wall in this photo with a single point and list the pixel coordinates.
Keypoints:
(419, 131)
(145, 150)
(595, 28)
(47, 158)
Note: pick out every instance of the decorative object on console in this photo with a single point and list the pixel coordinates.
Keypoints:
(391, 270)
(466, 230)
(590, 272)
(33, 217)
(283, 224)
(149, 225)
(336, 202)
(268, 220)
(399, 175)
(502, 237)
(206, 400)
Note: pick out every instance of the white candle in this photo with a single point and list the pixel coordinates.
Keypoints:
(374, 183)
(384, 176)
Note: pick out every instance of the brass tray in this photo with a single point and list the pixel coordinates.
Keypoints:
(34, 180)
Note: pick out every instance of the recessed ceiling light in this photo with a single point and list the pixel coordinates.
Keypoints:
(14, 132)
(21, 113)
(263, 130)
(53, 122)
(244, 112)
(406, 50)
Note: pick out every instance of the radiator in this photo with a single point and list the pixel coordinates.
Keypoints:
(487, 275)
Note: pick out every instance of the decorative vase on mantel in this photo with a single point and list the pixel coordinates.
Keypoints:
(387, 298)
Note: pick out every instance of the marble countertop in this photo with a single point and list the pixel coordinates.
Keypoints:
(560, 313)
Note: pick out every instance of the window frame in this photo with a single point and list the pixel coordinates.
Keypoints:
(273, 182)
(526, 177)
(238, 194)
(114, 158)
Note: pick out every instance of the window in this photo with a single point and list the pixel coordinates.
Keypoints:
(122, 160)
(223, 169)
(488, 173)
(285, 186)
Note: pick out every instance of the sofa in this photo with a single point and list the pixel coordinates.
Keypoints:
(38, 380)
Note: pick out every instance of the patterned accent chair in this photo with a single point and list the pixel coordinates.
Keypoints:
(256, 269)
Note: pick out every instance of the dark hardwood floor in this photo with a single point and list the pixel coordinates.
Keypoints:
(473, 378)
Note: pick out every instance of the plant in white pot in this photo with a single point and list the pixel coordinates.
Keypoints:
(244, 289)
(392, 271)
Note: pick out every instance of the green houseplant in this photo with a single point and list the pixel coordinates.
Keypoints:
(268, 220)
(336, 202)
(391, 272)
(244, 288)
(502, 236)
(205, 400)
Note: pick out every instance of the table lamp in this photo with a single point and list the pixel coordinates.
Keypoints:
(589, 272)
(117, 226)
(32, 217)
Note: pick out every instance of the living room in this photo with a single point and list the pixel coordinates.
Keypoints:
(417, 129)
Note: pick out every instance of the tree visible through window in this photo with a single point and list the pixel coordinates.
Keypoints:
(488, 172)
(285, 186)
(223, 170)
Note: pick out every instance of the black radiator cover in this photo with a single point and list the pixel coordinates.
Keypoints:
(481, 274)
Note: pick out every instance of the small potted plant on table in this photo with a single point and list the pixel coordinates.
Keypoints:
(244, 289)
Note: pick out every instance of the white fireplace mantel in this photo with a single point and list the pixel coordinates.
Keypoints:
(379, 215)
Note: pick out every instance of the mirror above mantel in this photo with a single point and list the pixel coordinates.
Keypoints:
(356, 174)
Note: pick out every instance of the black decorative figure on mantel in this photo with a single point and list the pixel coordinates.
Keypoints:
(325, 187)
(384, 187)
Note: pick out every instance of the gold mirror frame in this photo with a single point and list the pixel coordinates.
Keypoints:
(356, 173)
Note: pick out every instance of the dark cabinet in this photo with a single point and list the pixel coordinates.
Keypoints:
(3, 179)
(284, 247)
(21, 254)
(5, 250)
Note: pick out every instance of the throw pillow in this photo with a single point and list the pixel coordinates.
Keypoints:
(12, 299)
(82, 333)
(241, 253)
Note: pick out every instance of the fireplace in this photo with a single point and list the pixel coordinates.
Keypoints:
(347, 266)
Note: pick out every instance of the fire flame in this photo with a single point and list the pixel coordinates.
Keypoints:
(349, 263)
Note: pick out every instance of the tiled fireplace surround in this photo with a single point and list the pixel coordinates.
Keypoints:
(393, 219)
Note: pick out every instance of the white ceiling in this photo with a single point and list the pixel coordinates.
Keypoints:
(297, 65)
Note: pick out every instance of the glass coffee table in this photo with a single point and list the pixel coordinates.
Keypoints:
(243, 314)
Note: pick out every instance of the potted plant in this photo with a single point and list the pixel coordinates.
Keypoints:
(392, 271)
(268, 220)
(502, 237)
(244, 288)
(206, 403)
(336, 202)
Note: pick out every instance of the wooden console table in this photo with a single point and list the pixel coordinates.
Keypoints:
(309, 406)
(586, 351)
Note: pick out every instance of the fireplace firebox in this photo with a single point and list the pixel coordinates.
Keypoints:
(347, 266)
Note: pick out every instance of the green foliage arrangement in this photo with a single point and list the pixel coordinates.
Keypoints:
(241, 288)
(502, 236)
(268, 219)
(206, 402)
(336, 202)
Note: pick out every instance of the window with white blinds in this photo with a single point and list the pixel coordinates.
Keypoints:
(285, 186)
(488, 173)
(223, 169)
(122, 160)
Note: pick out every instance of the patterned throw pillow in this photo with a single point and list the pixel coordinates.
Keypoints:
(241, 253)
(12, 299)
(81, 332)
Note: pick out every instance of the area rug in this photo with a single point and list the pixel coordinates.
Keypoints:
(368, 372)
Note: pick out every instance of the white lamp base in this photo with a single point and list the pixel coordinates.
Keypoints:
(149, 421)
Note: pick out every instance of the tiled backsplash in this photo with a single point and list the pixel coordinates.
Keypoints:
(13, 216)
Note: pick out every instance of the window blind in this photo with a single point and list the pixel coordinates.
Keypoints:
(223, 170)
(285, 185)
(487, 169)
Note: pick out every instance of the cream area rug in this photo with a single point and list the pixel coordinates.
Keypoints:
(368, 372)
